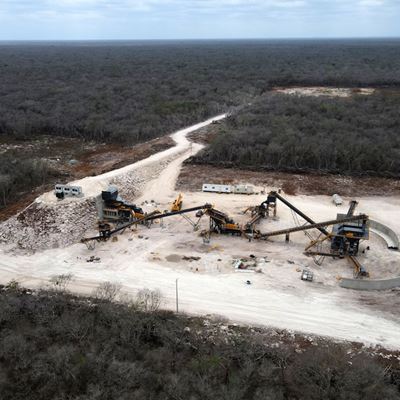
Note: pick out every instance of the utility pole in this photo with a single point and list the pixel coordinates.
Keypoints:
(176, 294)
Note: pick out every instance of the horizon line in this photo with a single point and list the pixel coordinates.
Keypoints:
(205, 39)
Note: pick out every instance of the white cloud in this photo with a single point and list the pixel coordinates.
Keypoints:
(218, 18)
(373, 3)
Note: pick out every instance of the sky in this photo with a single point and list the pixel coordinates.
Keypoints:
(196, 19)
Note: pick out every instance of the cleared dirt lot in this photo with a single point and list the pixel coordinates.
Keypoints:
(325, 91)
(193, 176)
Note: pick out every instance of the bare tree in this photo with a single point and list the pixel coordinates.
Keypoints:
(60, 282)
(149, 300)
(107, 291)
(13, 285)
(5, 187)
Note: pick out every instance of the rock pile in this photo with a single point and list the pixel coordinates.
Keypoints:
(43, 226)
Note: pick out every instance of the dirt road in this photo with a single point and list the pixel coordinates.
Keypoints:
(92, 185)
(313, 309)
(151, 258)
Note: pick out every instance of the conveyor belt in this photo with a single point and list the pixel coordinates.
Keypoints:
(297, 211)
(146, 218)
(314, 225)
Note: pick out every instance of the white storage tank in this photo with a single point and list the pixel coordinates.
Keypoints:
(211, 187)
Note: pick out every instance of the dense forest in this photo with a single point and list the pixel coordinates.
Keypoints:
(130, 92)
(134, 91)
(20, 175)
(355, 136)
(57, 346)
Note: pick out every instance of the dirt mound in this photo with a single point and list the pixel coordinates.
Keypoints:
(131, 185)
(42, 226)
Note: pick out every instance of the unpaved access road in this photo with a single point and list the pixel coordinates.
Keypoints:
(139, 259)
(93, 185)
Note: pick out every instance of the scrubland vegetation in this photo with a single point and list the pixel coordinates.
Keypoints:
(354, 136)
(21, 175)
(134, 91)
(57, 346)
(130, 92)
(54, 345)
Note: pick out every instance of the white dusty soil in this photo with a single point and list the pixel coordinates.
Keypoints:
(49, 223)
(152, 258)
(324, 91)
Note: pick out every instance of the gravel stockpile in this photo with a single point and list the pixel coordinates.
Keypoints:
(43, 226)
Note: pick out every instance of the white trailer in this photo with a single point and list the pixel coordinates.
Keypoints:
(76, 190)
(337, 200)
(62, 191)
(211, 187)
(59, 189)
(243, 189)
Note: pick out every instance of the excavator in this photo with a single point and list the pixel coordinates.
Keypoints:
(177, 204)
